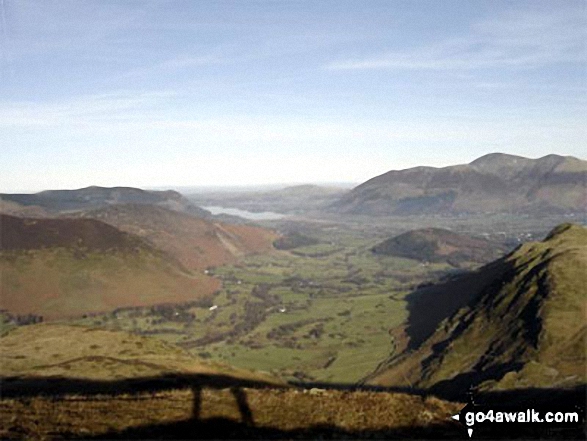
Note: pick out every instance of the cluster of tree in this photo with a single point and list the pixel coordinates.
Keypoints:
(262, 292)
(27, 319)
(206, 340)
(172, 313)
(294, 240)
(288, 329)
(19, 319)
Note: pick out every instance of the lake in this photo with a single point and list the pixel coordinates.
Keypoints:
(263, 215)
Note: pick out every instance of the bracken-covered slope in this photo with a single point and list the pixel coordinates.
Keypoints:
(18, 233)
(521, 323)
(440, 245)
(194, 242)
(55, 201)
(493, 183)
(59, 268)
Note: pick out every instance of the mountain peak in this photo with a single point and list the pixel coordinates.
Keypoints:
(499, 162)
(497, 157)
(493, 183)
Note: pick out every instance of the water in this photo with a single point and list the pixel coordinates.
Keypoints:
(263, 215)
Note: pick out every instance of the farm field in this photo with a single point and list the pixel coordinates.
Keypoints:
(317, 313)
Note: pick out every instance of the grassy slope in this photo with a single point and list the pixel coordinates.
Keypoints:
(525, 328)
(54, 350)
(59, 283)
(73, 353)
(68, 267)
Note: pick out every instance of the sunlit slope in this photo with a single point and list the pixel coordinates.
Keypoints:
(69, 267)
(75, 382)
(494, 183)
(194, 242)
(77, 352)
(525, 325)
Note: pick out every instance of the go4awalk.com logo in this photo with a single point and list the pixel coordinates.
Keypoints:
(524, 419)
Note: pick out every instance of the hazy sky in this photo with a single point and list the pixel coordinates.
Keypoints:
(151, 93)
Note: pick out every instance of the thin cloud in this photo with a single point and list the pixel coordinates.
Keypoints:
(518, 39)
(177, 64)
(107, 107)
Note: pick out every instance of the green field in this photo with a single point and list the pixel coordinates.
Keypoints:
(316, 313)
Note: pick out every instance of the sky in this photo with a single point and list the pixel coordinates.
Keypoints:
(156, 93)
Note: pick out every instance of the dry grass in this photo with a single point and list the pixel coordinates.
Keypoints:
(87, 362)
(282, 410)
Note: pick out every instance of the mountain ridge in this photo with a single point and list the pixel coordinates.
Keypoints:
(492, 183)
(91, 197)
(519, 323)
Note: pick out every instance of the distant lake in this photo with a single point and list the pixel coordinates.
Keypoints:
(263, 215)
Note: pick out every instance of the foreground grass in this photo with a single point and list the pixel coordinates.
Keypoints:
(274, 412)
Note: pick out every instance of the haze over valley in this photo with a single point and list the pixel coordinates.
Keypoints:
(292, 220)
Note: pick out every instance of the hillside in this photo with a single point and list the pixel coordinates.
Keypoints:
(440, 245)
(74, 382)
(290, 200)
(77, 352)
(194, 242)
(21, 234)
(518, 322)
(69, 267)
(495, 183)
(55, 201)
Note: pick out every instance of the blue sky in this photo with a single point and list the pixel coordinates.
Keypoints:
(189, 93)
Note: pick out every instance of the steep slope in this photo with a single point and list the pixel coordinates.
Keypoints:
(89, 234)
(194, 242)
(93, 197)
(440, 245)
(492, 183)
(68, 267)
(520, 322)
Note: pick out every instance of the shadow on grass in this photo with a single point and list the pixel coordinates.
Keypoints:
(55, 387)
(223, 428)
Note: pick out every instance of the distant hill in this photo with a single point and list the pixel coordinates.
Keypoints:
(194, 242)
(69, 267)
(440, 245)
(94, 197)
(494, 183)
(518, 322)
(290, 200)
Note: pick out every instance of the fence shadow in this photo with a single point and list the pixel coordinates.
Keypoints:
(224, 428)
(58, 387)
